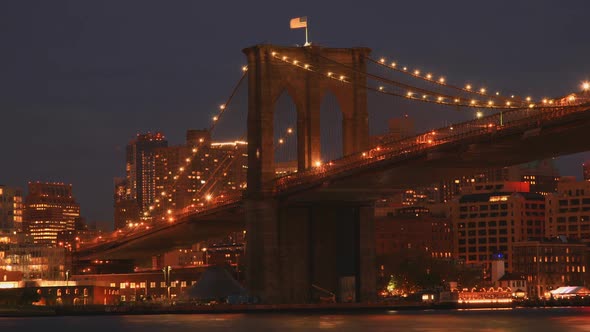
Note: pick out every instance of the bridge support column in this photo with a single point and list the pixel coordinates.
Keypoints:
(295, 255)
(301, 253)
(262, 263)
(367, 251)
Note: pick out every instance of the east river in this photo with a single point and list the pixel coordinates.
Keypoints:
(488, 320)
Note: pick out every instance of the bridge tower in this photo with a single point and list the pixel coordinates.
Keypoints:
(274, 269)
(269, 76)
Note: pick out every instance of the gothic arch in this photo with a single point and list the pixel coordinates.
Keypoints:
(268, 77)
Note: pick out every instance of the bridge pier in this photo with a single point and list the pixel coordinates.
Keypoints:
(300, 252)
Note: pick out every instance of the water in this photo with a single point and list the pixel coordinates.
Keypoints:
(538, 320)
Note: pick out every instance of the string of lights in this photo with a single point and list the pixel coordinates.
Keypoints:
(215, 120)
(440, 98)
(419, 94)
(442, 81)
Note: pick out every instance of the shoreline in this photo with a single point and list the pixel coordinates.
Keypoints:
(338, 308)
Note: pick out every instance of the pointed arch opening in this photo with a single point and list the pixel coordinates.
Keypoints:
(330, 128)
(285, 134)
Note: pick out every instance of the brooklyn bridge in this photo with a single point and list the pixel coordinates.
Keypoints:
(298, 223)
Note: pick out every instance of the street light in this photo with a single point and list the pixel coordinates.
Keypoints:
(204, 250)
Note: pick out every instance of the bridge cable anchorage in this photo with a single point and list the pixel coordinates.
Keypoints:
(457, 101)
(442, 81)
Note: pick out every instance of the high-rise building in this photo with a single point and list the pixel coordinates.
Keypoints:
(489, 221)
(140, 167)
(568, 210)
(194, 174)
(49, 209)
(126, 208)
(170, 180)
(11, 208)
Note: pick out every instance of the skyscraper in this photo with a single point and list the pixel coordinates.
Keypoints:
(191, 174)
(49, 209)
(126, 209)
(140, 167)
(11, 208)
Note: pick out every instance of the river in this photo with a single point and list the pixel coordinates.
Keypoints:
(488, 320)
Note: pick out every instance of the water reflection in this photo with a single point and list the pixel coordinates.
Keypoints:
(517, 320)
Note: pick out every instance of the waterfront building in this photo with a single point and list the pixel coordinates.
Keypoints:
(550, 263)
(490, 220)
(34, 261)
(159, 284)
(49, 209)
(62, 292)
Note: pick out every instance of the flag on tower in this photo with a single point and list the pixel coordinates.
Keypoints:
(299, 22)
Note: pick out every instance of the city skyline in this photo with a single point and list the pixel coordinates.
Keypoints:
(82, 79)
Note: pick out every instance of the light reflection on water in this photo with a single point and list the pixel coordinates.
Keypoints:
(488, 320)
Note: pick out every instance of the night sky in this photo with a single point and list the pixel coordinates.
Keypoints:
(79, 79)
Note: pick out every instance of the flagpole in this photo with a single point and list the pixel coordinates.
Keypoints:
(306, 35)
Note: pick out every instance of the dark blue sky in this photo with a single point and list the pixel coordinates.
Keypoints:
(78, 79)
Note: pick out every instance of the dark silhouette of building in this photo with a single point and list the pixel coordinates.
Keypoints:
(586, 170)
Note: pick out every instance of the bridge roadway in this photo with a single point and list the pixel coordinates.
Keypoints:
(462, 149)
